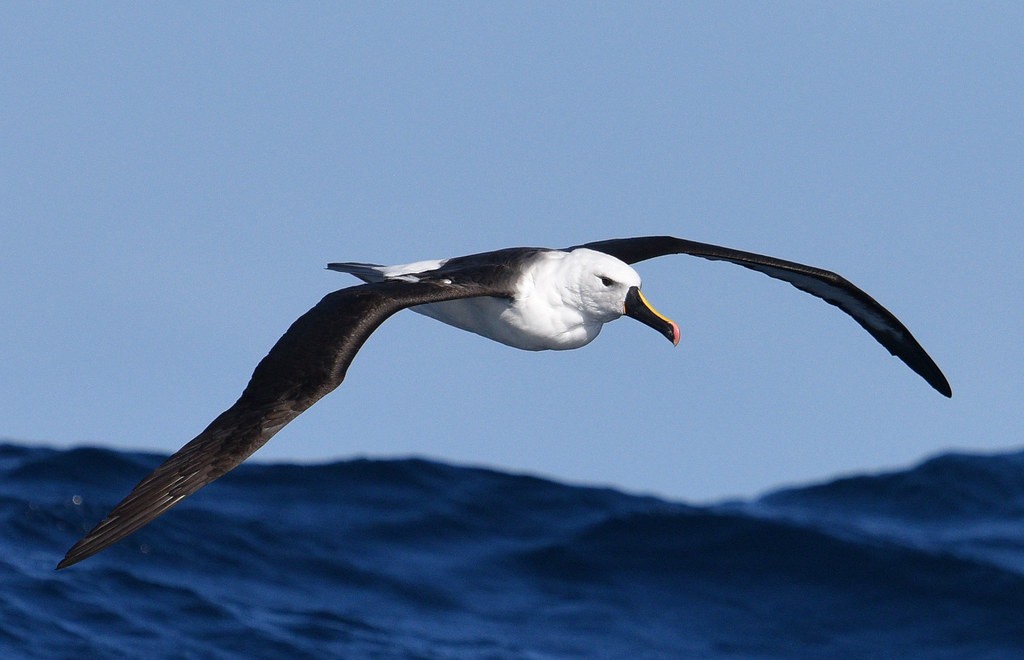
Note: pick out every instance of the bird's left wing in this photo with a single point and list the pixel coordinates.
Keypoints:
(829, 286)
(306, 363)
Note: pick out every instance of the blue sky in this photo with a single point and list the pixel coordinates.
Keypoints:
(176, 175)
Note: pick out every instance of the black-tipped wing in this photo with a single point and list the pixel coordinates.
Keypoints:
(828, 286)
(306, 363)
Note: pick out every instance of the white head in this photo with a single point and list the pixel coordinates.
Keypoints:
(597, 284)
(604, 288)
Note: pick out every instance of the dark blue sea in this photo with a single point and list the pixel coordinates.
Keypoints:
(416, 559)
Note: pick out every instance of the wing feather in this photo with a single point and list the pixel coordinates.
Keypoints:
(306, 363)
(830, 287)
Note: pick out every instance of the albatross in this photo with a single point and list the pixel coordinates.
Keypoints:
(528, 298)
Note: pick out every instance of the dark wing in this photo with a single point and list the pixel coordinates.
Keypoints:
(306, 363)
(828, 286)
(500, 267)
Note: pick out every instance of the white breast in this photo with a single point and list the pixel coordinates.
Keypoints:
(543, 314)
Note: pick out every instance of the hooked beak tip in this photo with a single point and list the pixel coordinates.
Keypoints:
(637, 307)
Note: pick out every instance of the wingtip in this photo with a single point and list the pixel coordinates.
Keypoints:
(933, 375)
(936, 379)
(85, 547)
(72, 557)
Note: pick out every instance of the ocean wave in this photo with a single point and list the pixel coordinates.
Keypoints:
(413, 558)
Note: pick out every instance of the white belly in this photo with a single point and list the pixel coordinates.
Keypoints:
(514, 323)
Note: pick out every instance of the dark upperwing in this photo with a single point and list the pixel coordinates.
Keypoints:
(830, 287)
(306, 363)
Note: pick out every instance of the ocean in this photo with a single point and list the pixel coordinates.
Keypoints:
(419, 559)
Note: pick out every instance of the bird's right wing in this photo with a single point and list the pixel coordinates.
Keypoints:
(306, 363)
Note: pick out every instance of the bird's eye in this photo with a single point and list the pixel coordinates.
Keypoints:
(607, 281)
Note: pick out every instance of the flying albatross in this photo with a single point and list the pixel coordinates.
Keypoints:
(529, 298)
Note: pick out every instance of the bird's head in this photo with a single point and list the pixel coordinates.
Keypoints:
(607, 288)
